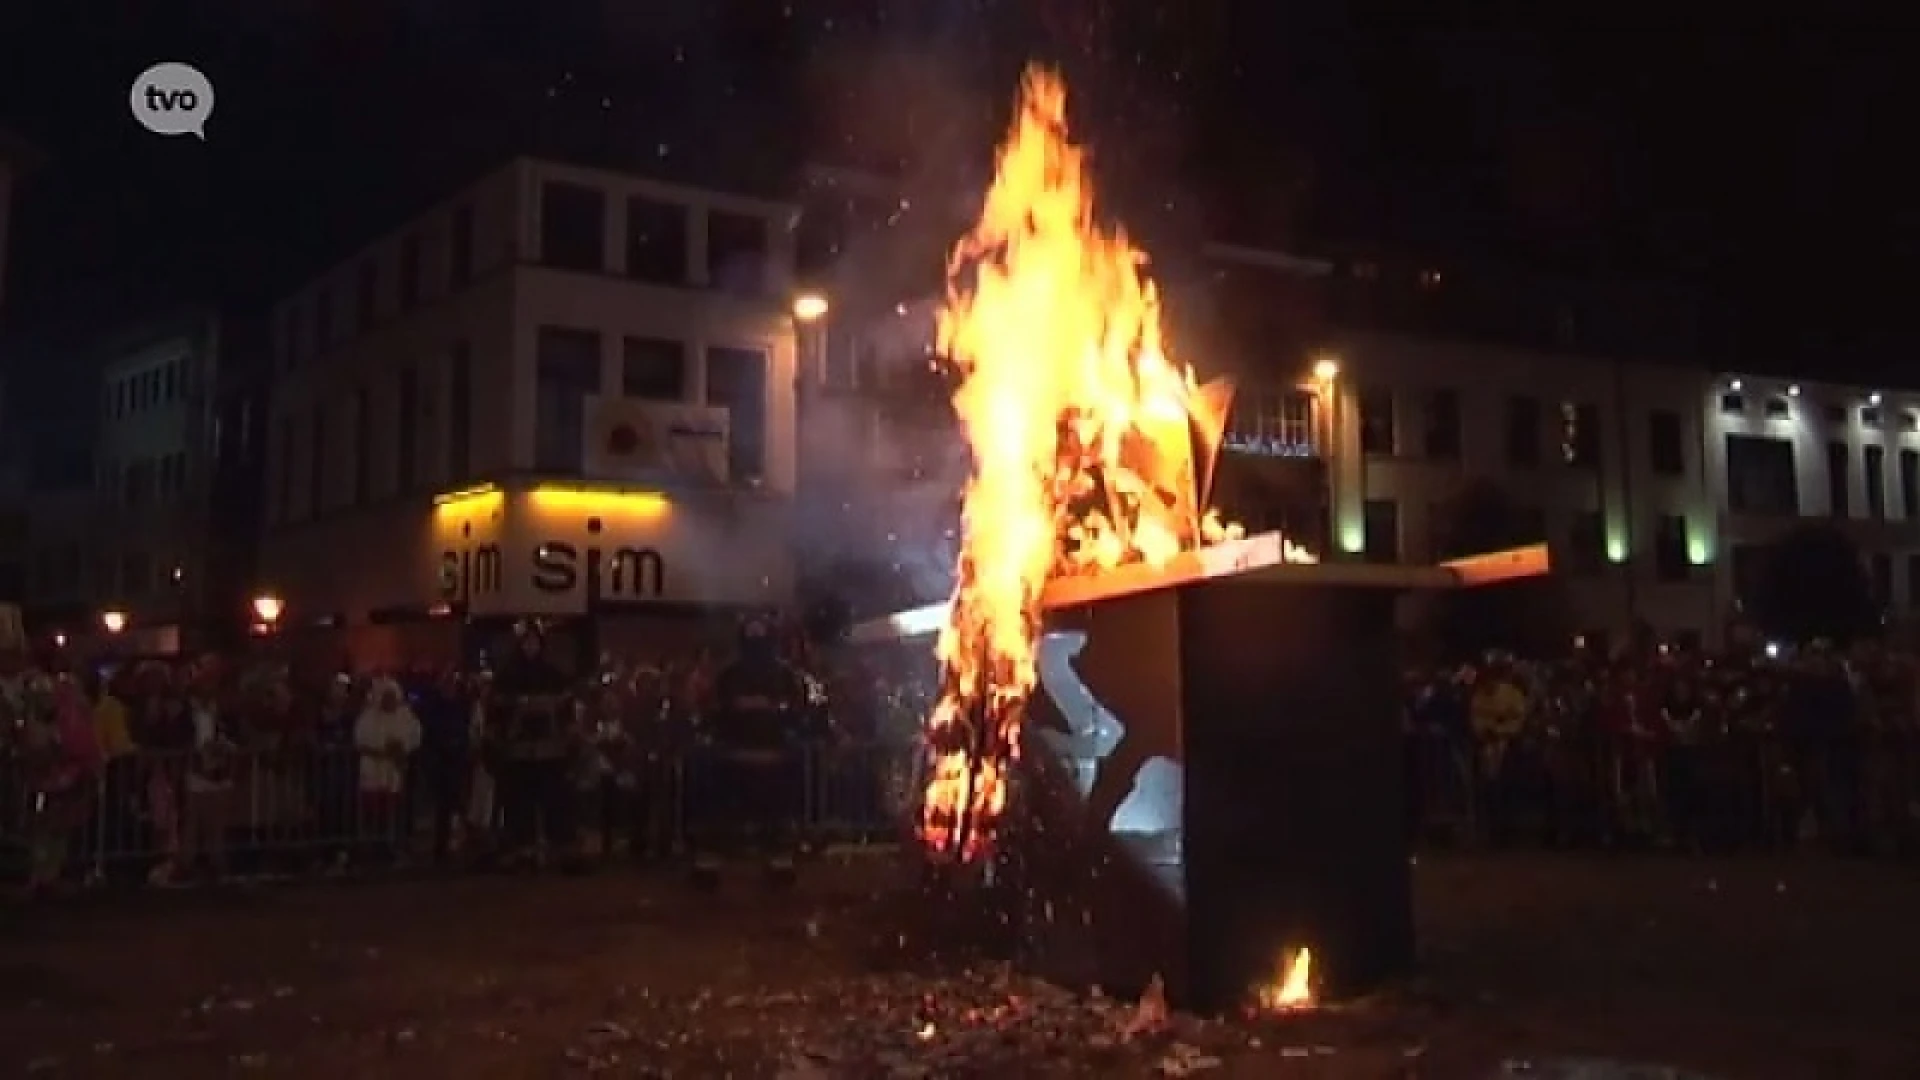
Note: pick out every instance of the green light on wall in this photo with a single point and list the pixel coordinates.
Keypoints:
(1616, 549)
(1353, 538)
(1699, 552)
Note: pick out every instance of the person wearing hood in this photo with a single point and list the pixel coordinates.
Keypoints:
(386, 734)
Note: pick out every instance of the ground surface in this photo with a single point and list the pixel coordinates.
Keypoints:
(1792, 968)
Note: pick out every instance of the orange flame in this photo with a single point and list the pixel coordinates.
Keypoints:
(1089, 447)
(1294, 990)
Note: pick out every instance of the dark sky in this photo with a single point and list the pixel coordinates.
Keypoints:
(1768, 168)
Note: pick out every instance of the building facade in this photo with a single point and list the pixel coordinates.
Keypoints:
(176, 459)
(561, 393)
(1654, 484)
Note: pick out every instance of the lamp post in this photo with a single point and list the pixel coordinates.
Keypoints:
(1333, 456)
(113, 621)
(810, 311)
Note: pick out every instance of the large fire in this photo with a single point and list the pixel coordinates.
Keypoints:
(1089, 446)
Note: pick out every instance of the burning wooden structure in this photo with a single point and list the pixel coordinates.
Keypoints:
(1212, 772)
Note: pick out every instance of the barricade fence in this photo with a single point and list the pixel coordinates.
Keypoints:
(165, 816)
(172, 816)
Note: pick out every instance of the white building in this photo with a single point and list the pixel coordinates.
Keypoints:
(561, 392)
(1784, 449)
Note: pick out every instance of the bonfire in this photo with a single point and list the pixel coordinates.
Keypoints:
(1090, 448)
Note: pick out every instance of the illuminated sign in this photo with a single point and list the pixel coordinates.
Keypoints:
(556, 567)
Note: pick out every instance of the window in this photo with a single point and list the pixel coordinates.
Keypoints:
(1666, 443)
(656, 241)
(1380, 530)
(654, 369)
(573, 226)
(1761, 476)
(737, 381)
(460, 413)
(410, 272)
(1376, 422)
(1910, 484)
(1880, 568)
(1913, 581)
(1870, 417)
(460, 246)
(317, 462)
(1443, 425)
(1587, 542)
(1778, 409)
(138, 483)
(1271, 422)
(737, 252)
(1579, 435)
(1733, 404)
(1523, 432)
(362, 446)
(1837, 479)
(406, 433)
(1670, 558)
(567, 370)
(1876, 481)
(170, 381)
(367, 293)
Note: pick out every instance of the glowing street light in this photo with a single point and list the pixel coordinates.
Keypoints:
(1326, 369)
(268, 607)
(810, 307)
(113, 621)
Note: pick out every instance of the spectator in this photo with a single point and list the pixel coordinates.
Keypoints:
(387, 733)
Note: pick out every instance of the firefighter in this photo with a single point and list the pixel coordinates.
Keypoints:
(534, 713)
(750, 775)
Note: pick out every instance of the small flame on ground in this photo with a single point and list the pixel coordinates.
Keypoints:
(1293, 991)
(1088, 446)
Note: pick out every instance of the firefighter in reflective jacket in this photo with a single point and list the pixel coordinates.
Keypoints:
(751, 782)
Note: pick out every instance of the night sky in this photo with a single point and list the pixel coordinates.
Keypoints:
(1767, 170)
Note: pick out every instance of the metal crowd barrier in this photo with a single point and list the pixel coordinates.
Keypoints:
(160, 816)
(155, 816)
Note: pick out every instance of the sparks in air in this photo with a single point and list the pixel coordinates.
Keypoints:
(1089, 446)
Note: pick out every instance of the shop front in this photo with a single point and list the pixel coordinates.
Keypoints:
(621, 570)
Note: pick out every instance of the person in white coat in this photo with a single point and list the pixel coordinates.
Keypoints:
(387, 733)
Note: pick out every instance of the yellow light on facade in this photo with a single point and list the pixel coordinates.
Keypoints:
(468, 500)
(1326, 369)
(810, 307)
(268, 607)
(574, 500)
(113, 621)
(465, 494)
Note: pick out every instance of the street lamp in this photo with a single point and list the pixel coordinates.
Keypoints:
(1325, 370)
(113, 621)
(810, 307)
(269, 608)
